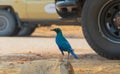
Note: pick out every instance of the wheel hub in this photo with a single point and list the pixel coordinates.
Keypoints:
(117, 20)
(110, 21)
(3, 23)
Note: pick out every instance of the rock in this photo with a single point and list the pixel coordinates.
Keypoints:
(47, 67)
(66, 68)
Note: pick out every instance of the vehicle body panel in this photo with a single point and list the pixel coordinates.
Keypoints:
(19, 7)
(41, 9)
(32, 9)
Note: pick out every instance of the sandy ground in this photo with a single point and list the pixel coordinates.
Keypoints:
(16, 51)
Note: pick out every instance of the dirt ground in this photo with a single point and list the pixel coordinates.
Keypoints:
(88, 63)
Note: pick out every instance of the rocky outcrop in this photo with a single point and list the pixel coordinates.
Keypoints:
(47, 67)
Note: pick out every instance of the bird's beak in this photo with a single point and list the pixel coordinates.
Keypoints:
(52, 29)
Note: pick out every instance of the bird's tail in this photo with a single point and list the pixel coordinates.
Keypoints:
(74, 55)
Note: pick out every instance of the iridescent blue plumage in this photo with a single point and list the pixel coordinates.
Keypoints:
(63, 44)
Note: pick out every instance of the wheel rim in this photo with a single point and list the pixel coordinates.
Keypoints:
(109, 21)
(3, 23)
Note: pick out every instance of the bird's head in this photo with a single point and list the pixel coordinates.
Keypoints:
(57, 30)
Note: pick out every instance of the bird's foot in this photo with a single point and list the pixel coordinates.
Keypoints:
(62, 60)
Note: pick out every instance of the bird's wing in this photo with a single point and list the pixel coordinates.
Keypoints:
(65, 46)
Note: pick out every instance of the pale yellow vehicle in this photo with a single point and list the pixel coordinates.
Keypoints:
(21, 17)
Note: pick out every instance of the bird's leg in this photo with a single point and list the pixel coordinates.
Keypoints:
(62, 59)
(68, 56)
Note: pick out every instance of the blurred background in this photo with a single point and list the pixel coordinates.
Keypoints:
(70, 31)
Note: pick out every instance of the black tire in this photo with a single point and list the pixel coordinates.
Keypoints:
(26, 31)
(98, 36)
(7, 23)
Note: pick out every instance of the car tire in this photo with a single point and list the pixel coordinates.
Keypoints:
(96, 30)
(7, 23)
(26, 31)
